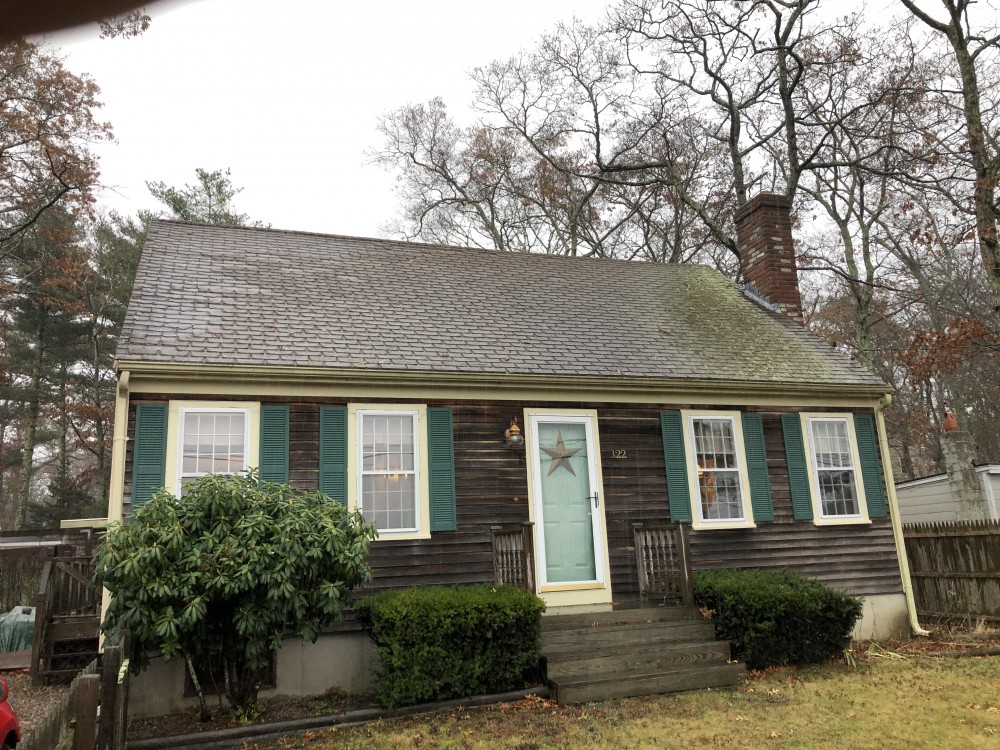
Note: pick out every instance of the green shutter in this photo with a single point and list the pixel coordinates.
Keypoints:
(871, 466)
(678, 493)
(274, 444)
(756, 457)
(798, 475)
(441, 459)
(149, 457)
(333, 452)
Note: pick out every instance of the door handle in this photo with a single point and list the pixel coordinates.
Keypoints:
(595, 498)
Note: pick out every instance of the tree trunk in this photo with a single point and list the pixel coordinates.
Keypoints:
(31, 422)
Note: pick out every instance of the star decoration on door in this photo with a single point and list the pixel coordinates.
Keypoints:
(560, 456)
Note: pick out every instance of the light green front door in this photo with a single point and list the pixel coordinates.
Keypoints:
(567, 499)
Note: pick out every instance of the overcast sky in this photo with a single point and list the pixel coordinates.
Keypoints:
(286, 94)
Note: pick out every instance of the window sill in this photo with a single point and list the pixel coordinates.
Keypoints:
(834, 521)
(401, 536)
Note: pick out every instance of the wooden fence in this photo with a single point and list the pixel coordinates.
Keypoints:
(93, 713)
(955, 568)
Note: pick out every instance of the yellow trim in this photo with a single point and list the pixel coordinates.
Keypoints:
(174, 408)
(894, 516)
(422, 386)
(570, 593)
(571, 587)
(692, 471)
(116, 492)
(859, 484)
(423, 489)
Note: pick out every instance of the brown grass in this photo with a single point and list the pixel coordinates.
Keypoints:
(885, 702)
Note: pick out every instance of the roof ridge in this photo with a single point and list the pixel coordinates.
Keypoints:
(438, 246)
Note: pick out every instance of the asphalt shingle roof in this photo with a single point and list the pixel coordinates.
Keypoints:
(228, 295)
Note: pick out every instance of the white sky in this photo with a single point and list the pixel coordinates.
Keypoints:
(286, 94)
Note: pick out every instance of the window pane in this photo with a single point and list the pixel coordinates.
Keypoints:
(388, 470)
(213, 443)
(834, 466)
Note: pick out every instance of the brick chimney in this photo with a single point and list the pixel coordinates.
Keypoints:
(767, 252)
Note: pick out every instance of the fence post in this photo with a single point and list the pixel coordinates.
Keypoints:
(111, 662)
(88, 692)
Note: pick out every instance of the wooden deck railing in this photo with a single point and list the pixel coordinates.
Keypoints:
(66, 593)
(664, 562)
(513, 555)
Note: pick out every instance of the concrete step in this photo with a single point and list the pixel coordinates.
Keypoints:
(626, 635)
(660, 656)
(551, 622)
(621, 685)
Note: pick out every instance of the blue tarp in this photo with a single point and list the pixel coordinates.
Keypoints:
(17, 628)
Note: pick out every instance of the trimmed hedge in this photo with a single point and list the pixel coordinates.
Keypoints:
(441, 643)
(774, 617)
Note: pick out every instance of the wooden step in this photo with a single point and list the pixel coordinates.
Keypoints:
(621, 685)
(624, 635)
(74, 629)
(654, 657)
(579, 620)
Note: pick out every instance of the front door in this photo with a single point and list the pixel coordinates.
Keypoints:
(568, 506)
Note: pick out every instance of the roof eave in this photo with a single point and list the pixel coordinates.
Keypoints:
(792, 393)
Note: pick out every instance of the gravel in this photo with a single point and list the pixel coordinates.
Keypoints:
(31, 703)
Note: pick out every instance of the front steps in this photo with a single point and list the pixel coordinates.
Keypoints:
(613, 654)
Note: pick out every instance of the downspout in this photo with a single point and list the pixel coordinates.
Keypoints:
(897, 524)
(116, 492)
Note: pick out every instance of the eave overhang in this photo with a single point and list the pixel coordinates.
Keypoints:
(167, 377)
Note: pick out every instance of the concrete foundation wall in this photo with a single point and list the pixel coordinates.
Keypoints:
(882, 617)
(342, 662)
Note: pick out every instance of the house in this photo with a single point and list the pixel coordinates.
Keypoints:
(391, 375)
(938, 498)
(965, 491)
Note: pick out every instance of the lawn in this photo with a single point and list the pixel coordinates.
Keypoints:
(881, 703)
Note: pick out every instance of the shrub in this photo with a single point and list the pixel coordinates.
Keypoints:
(440, 643)
(230, 568)
(774, 617)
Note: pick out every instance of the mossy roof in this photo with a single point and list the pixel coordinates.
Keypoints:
(246, 296)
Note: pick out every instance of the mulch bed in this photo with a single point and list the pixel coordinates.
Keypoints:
(31, 703)
(270, 710)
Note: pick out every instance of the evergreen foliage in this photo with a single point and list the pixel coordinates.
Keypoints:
(440, 643)
(231, 567)
(774, 617)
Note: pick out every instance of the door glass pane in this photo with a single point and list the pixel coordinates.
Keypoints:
(563, 461)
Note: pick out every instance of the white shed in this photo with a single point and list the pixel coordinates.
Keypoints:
(934, 499)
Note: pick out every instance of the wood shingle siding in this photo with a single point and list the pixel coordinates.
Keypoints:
(491, 488)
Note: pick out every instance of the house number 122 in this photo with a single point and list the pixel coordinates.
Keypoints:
(618, 453)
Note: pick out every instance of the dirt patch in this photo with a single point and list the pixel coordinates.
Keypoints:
(31, 703)
(268, 710)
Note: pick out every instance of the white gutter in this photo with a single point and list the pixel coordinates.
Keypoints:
(116, 492)
(897, 524)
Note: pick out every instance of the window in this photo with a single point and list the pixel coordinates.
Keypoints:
(213, 441)
(838, 495)
(718, 481)
(389, 475)
(209, 437)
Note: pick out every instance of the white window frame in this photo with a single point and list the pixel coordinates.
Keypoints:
(355, 451)
(819, 518)
(175, 435)
(698, 521)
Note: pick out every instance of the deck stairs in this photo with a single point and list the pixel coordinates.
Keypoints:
(633, 651)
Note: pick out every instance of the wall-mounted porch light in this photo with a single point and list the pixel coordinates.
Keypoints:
(513, 435)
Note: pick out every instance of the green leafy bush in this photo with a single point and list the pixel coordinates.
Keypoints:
(774, 617)
(231, 568)
(440, 643)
